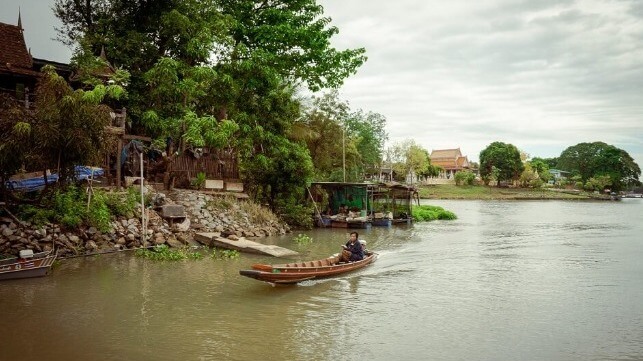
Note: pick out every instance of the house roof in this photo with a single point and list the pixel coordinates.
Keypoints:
(13, 50)
(446, 153)
(449, 159)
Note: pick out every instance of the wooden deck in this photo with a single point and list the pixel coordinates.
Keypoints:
(244, 245)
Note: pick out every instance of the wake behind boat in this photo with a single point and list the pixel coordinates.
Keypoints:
(290, 273)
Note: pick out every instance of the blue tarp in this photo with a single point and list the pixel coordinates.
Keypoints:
(38, 183)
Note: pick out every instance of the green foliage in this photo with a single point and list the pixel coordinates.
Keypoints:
(164, 253)
(589, 160)
(302, 239)
(224, 254)
(122, 204)
(295, 213)
(68, 126)
(15, 130)
(199, 181)
(37, 216)
(98, 214)
(69, 208)
(431, 213)
(464, 178)
(500, 161)
(408, 156)
(598, 183)
(362, 138)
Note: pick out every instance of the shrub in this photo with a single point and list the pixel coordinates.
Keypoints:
(464, 177)
(199, 181)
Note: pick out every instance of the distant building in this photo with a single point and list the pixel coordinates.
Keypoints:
(451, 160)
(558, 176)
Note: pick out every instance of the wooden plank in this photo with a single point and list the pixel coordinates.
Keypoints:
(244, 245)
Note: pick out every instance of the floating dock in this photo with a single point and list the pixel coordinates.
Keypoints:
(244, 245)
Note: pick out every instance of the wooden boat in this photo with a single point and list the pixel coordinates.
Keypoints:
(382, 222)
(290, 273)
(351, 223)
(28, 265)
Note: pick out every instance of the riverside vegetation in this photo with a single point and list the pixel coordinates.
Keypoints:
(76, 224)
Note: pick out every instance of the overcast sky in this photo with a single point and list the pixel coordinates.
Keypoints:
(543, 75)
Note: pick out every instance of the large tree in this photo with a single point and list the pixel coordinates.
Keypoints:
(333, 131)
(501, 160)
(258, 52)
(595, 159)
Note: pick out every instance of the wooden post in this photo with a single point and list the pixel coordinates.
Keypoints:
(119, 150)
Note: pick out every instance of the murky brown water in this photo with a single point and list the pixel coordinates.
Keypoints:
(507, 281)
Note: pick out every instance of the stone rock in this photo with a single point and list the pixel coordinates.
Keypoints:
(183, 226)
(173, 211)
(158, 241)
(173, 242)
(121, 241)
(7, 232)
(233, 237)
(74, 239)
(91, 245)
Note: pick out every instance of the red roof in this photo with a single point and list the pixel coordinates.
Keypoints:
(13, 50)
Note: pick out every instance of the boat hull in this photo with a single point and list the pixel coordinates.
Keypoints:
(38, 266)
(298, 272)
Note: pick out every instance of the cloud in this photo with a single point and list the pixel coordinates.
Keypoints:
(542, 75)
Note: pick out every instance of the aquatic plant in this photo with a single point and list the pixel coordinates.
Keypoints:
(431, 213)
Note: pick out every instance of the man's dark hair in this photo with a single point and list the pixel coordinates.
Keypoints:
(356, 235)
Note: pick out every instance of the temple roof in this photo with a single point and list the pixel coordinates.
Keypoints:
(13, 50)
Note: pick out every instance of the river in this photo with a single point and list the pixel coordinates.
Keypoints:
(507, 280)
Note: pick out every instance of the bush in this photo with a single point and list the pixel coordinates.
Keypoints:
(431, 213)
(297, 215)
(464, 177)
(122, 205)
(98, 214)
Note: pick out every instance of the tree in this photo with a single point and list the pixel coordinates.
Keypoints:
(589, 160)
(15, 131)
(541, 167)
(69, 125)
(505, 158)
(407, 156)
(330, 129)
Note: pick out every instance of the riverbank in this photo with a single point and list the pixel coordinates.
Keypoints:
(224, 215)
(449, 191)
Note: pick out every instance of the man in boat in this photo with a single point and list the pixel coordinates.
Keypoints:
(353, 250)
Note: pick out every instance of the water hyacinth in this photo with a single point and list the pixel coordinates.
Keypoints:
(431, 213)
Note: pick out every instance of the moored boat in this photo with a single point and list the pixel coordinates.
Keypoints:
(290, 273)
(28, 265)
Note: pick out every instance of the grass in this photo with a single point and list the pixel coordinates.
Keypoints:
(448, 191)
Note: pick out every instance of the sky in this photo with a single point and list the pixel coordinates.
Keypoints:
(542, 75)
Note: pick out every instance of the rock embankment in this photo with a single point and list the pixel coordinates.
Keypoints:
(227, 216)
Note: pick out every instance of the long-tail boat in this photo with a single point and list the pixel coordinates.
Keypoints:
(295, 272)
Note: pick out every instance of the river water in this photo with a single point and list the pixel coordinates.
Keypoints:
(508, 280)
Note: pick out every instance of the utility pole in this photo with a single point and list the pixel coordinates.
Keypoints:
(344, 151)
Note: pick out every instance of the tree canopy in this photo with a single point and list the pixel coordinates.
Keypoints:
(591, 160)
(223, 73)
(502, 161)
